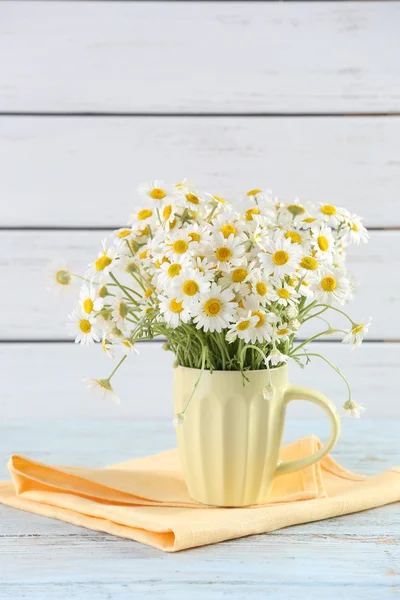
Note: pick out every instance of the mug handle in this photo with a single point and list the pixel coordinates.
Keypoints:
(298, 392)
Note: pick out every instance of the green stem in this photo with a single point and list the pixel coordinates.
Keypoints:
(203, 362)
(122, 288)
(314, 337)
(339, 311)
(117, 367)
(338, 371)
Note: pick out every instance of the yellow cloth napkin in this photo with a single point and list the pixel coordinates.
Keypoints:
(146, 499)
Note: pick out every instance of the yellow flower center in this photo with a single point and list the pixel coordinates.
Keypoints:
(253, 192)
(294, 237)
(228, 230)
(63, 277)
(192, 198)
(357, 329)
(175, 306)
(144, 214)
(212, 307)
(102, 262)
(105, 384)
(219, 199)
(280, 258)
(88, 305)
(144, 231)
(239, 275)
(309, 220)
(354, 227)
(148, 293)
(85, 326)
(250, 212)
(283, 293)
(309, 263)
(282, 332)
(323, 243)
(295, 209)
(190, 287)
(223, 254)
(143, 254)
(157, 194)
(180, 246)
(261, 318)
(328, 283)
(261, 288)
(167, 212)
(243, 325)
(194, 236)
(172, 224)
(174, 270)
(328, 209)
(124, 233)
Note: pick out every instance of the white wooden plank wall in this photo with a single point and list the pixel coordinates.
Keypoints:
(95, 97)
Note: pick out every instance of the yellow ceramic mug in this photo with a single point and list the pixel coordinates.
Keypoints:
(229, 443)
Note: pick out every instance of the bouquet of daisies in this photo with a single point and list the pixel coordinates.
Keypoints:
(227, 285)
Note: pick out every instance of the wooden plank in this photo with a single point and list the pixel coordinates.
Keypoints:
(354, 555)
(34, 313)
(83, 172)
(45, 380)
(174, 56)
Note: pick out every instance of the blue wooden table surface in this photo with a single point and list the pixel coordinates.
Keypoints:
(354, 556)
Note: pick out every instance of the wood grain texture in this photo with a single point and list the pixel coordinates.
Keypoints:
(25, 255)
(211, 56)
(84, 172)
(45, 380)
(354, 556)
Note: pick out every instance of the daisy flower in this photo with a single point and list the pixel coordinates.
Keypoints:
(261, 286)
(119, 310)
(275, 358)
(242, 329)
(322, 242)
(121, 236)
(170, 270)
(263, 329)
(189, 285)
(356, 334)
(157, 193)
(355, 232)
(225, 251)
(352, 409)
(308, 264)
(283, 332)
(104, 388)
(330, 285)
(59, 278)
(228, 224)
(207, 269)
(89, 300)
(237, 278)
(84, 328)
(285, 296)
(215, 309)
(101, 267)
(280, 257)
(179, 244)
(107, 346)
(173, 312)
(141, 218)
(332, 215)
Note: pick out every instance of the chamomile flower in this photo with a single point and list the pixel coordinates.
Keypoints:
(173, 312)
(237, 278)
(280, 257)
(225, 251)
(170, 270)
(308, 264)
(227, 223)
(283, 332)
(158, 194)
(104, 388)
(284, 295)
(59, 278)
(107, 346)
(354, 231)
(332, 215)
(330, 285)
(261, 286)
(352, 409)
(89, 300)
(178, 244)
(119, 310)
(189, 285)
(322, 242)
(263, 328)
(276, 358)
(101, 267)
(356, 334)
(142, 218)
(83, 327)
(121, 236)
(242, 329)
(215, 309)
